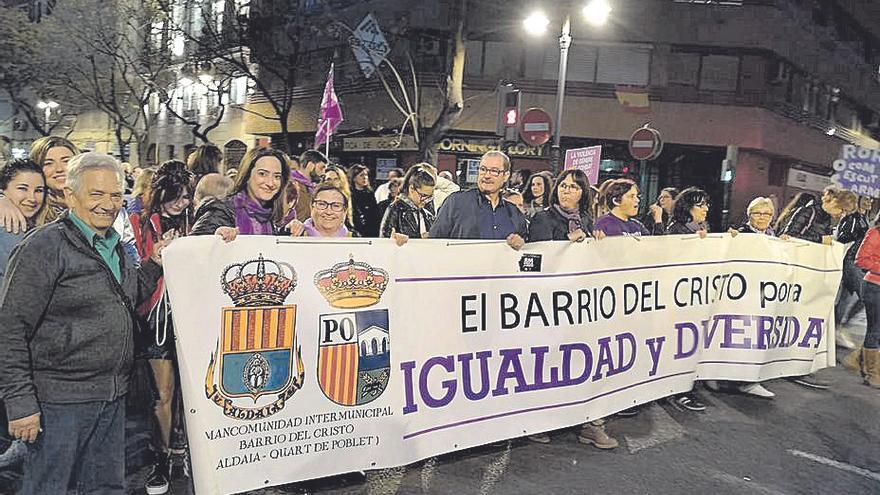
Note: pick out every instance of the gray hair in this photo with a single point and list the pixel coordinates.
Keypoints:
(759, 202)
(500, 154)
(80, 164)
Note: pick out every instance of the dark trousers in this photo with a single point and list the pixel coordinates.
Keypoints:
(871, 294)
(82, 447)
(850, 283)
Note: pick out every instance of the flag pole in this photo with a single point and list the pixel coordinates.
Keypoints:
(327, 143)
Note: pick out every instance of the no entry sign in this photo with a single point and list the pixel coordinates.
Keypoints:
(536, 127)
(645, 144)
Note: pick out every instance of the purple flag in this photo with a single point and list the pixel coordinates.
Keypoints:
(331, 113)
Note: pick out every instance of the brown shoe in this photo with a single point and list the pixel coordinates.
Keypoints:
(871, 362)
(595, 435)
(853, 361)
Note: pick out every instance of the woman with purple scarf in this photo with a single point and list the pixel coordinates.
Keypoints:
(329, 207)
(256, 206)
(568, 216)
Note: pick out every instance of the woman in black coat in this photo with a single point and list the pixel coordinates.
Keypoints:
(363, 200)
(409, 214)
(689, 213)
(568, 216)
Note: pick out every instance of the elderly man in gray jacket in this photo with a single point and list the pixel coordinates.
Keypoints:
(66, 337)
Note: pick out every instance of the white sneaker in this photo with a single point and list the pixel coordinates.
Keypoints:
(757, 390)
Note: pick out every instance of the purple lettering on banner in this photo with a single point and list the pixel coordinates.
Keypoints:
(567, 350)
(765, 327)
(789, 338)
(540, 384)
(467, 378)
(730, 331)
(695, 336)
(510, 368)
(814, 331)
(621, 338)
(655, 345)
(605, 358)
(447, 363)
(709, 335)
(407, 367)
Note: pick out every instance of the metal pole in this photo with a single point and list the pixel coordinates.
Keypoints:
(564, 44)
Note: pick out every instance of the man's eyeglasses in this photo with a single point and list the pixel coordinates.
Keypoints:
(761, 214)
(334, 206)
(494, 172)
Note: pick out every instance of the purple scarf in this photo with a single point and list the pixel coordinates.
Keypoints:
(251, 217)
(573, 217)
(312, 231)
(297, 176)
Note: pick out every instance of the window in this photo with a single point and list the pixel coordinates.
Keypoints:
(719, 72)
(684, 68)
(238, 90)
(623, 65)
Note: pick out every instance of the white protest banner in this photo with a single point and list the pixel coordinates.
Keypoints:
(858, 170)
(304, 358)
(369, 45)
(585, 159)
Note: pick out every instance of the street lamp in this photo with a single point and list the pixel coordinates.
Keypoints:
(596, 13)
(47, 107)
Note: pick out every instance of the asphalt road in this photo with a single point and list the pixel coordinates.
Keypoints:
(802, 442)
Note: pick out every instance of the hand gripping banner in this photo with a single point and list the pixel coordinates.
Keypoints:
(302, 359)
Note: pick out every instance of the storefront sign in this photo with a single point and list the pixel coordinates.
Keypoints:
(383, 166)
(380, 143)
(480, 146)
(585, 159)
(299, 359)
(858, 170)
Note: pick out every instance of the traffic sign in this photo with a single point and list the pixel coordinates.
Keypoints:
(645, 144)
(536, 127)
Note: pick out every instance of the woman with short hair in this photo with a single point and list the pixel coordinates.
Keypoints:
(327, 219)
(621, 198)
(336, 175)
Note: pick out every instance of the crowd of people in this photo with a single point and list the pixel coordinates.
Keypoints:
(82, 293)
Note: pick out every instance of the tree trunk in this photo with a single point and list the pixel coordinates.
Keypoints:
(453, 105)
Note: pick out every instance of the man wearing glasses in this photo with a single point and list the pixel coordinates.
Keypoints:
(481, 213)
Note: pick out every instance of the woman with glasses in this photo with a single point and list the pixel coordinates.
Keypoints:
(568, 215)
(257, 204)
(329, 205)
(337, 176)
(407, 215)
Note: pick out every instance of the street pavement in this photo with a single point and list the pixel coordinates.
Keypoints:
(803, 442)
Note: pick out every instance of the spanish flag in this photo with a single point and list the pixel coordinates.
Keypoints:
(634, 99)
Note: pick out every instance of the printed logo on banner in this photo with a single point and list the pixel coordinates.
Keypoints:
(354, 349)
(257, 348)
(530, 263)
(354, 356)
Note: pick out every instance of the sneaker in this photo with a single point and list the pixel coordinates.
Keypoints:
(687, 401)
(810, 381)
(757, 390)
(540, 438)
(628, 413)
(596, 436)
(157, 482)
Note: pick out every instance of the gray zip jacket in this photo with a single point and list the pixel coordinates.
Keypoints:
(66, 323)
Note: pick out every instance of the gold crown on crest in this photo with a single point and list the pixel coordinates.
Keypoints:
(352, 284)
(254, 285)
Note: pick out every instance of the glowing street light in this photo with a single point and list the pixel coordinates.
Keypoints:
(597, 11)
(536, 23)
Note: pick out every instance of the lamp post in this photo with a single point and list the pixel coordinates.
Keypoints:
(596, 13)
(47, 107)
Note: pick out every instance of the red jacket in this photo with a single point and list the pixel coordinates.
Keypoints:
(868, 257)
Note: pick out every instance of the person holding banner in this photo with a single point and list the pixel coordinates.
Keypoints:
(622, 197)
(408, 215)
(481, 213)
(337, 176)
(815, 221)
(328, 215)
(66, 349)
(568, 215)
(852, 230)
(689, 217)
(868, 258)
(256, 206)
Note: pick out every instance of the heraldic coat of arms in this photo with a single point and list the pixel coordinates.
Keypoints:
(354, 348)
(258, 353)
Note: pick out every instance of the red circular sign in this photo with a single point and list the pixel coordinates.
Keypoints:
(645, 144)
(536, 127)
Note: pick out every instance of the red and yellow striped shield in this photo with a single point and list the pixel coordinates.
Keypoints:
(265, 331)
(337, 373)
